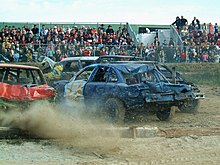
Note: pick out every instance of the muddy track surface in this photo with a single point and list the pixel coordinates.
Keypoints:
(185, 140)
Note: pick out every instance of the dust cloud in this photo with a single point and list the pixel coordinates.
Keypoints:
(66, 123)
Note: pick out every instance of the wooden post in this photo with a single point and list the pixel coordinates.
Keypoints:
(173, 108)
(174, 75)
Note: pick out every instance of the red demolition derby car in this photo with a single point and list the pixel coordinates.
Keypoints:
(21, 85)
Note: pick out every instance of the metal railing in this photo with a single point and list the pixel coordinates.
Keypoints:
(132, 34)
(67, 50)
(170, 54)
(52, 24)
(175, 36)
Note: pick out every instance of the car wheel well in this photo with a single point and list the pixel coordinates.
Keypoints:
(112, 96)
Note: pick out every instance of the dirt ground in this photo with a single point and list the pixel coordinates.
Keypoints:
(185, 140)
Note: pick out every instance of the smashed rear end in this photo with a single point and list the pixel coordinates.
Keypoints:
(167, 93)
(147, 86)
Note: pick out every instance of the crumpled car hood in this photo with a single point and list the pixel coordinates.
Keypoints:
(22, 93)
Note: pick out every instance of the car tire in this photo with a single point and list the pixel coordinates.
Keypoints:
(191, 106)
(165, 115)
(114, 110)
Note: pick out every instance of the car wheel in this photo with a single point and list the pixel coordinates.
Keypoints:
(164, 115)
(114, 110)
(190, 106)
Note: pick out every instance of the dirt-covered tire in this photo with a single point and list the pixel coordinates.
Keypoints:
(165, 115)
(114, 110)
(191, 106)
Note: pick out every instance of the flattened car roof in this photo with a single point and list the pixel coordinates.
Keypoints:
(130, 68)
(136, 62)
(6, 65)
(112, 58)
(118, 56)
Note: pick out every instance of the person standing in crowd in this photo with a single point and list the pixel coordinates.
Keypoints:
(28, 55)
(112, 51)
(184, 22)
(87, 51)
(217, 58)
(191, 28)
(109, 30)
(100, 45)
(101, 28)
(119, 32)
(11, 54)
(156, 41)
(35, 30)
(103, 52)
(50, 52)
(216, 28)
(16, 55)
(161, 55)
(177, 54)
(124, 30)
(57, 53)
(183, 32)
(135, 52)
(205, 28)
(171, 42)
(62, 56)
(164, 44)
(97, 51)
(177, 22)
(196, 24)
(205, 56)
(211, 28)
(43, 31)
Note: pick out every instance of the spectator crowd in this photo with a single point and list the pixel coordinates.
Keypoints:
(201, 42)
(20, 44)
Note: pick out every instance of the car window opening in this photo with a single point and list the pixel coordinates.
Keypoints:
(100, 75)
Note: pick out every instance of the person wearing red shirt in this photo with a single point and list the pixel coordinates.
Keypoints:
(103, 52)
(205, 56)
(218, 42)
(94, 30)
(87, 52)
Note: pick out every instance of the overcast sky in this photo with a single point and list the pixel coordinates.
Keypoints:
(159, 12)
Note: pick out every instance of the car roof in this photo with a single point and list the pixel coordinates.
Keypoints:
(112, 58)
(93, 58)
(6, 65)
(136, 62)
(118, 56)
(129, 68)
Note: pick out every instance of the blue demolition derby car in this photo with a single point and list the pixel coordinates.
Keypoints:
(116, 89)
